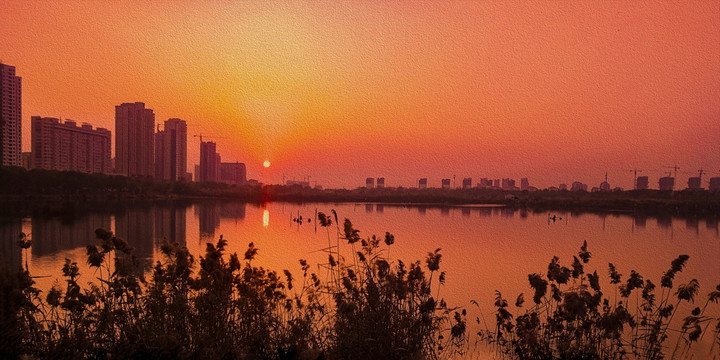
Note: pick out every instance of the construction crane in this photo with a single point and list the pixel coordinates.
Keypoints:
(208, 136)
(676, 168)
(634, 171)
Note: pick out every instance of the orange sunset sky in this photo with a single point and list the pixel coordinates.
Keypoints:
(341, 91)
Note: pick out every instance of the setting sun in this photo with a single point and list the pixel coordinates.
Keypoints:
(266, 163)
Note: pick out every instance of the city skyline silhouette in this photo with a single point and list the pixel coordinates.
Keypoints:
(341, 92)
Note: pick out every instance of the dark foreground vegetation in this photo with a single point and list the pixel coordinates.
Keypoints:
(569, 316)
(365, 306)
(21, 185)
(225, 307)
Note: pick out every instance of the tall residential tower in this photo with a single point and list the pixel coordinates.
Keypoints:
(10, 117)
(134, 131)
(171, 151)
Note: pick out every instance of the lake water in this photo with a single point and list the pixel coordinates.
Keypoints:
(484, 248)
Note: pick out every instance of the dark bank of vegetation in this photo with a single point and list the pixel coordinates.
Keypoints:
(43, 185)
(650, 202)
(366, 306)
(21, 185)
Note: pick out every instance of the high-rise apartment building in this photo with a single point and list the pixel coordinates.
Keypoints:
(370, 183)
(68, 147)
(467, 183)
(171, 151)
(234, 173)
(380, 183)
(209, 162)
(445, 183)
(134, 141)
(666, 183)
(10, 117)
(524, 184)
(422, 183)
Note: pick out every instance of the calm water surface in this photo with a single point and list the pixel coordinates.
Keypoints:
(484, 248)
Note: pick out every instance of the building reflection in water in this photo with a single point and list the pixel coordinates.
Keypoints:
(369, 208)
(523, 213)
(51, 235)
(266, 218)
(664, 221)
(233, 211)
(145, 227)
(507, 212)
(422, 210)
(379, 208)
(444, 211)
(485, 211)
(208, 216)
(170, 224)
(136, 226)
(711, 224)
(640, 221)
(465, 211)
(10, 230)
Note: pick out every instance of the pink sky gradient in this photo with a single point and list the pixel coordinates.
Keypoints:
(553, 91)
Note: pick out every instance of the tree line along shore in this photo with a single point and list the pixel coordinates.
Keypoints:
(20, 185)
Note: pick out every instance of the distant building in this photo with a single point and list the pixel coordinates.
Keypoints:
(496, 183)
(380, 183)
(445, 183)
(604, 186)
(171, 151)
(67, 147)
(666, 183)
(209, 162)
(508, 184)
(562, 187)
(467, 183)
(233, 173)
(303, 184)
(134, 140)
(10, 117)
(524, 184)
(694, 183)
(578, 186)
(370, 183)
(484, 183)
(715, 184)
(422, 183)
(642, 183)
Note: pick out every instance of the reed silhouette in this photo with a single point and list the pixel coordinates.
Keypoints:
(225, 306)
(571, 317)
